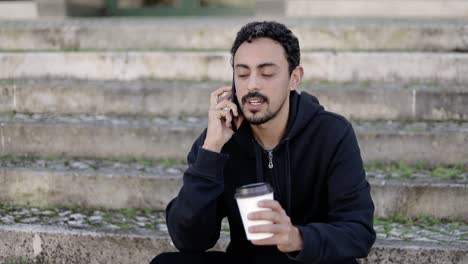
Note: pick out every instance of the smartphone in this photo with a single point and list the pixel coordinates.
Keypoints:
(234, 100)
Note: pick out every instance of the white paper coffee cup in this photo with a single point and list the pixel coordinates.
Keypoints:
(247, 198)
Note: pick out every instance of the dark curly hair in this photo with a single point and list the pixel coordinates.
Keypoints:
(275, 31)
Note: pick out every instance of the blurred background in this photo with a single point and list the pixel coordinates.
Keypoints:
(100, 102)
(288, 8)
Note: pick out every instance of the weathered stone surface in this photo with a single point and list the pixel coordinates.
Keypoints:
(116, 138)
(161, 98)
(131, 188)
(422, 229)
(58, 245)
(366, 103)
(156, 138)
(93, 190)
(413, 199)
(380, 9)
(191, 34)
(386, 252)
(319, 66)
(432, 105)
(43, 243)
(16, 10)
(395, 101)
(413, 142)
(358, 101)
(52, 8)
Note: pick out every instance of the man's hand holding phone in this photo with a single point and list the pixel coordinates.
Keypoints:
(220, 114)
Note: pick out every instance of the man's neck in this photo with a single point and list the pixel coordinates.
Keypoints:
(269, 135)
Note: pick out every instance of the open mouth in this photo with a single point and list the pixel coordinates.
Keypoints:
(254, 98)
(255, 101)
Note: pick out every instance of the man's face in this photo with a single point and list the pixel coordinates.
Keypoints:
(262, 80)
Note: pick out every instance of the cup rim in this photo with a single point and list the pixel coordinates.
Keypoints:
(253, 189)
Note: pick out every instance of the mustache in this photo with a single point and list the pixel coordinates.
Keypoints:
(254, 95)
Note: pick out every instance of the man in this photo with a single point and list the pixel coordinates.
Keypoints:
(322, 212)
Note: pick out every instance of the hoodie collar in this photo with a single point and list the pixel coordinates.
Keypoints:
(302, 109)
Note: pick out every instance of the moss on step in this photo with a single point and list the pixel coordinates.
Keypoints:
(407, 171)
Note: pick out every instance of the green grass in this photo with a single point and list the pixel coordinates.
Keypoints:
(123, 226)
(169, 162)
(54, 157)
(427, 220)
(129, 212)
(106, 217)
(446, 173)
(405, 170)
(394, 169)
(151, 226)
(422, 220)
(147, 163)
(67, 160)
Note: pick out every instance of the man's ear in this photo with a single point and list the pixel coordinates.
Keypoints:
(296, 78)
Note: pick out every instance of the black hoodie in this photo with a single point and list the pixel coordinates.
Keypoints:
(318, 178)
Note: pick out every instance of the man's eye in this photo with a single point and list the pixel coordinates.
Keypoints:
(268, 74)
(242, 75)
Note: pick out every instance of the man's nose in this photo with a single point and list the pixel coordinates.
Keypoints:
(252, 85)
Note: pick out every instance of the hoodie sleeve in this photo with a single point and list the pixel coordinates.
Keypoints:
(194, 216)
(348, 232)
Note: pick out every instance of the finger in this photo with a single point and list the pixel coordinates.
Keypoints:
(215, 94)
(270, 228)
(228, 118)
(222, 114)
(223, 104)
(274, 240)
(226, 115)
(228, 104)
(272, 204)
(225, 96)
(267, 215)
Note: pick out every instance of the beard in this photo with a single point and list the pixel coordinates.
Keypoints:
(258, 118)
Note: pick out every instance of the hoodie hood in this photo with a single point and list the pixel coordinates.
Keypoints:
(302, 109)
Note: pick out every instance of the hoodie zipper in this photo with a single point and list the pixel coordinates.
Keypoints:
(270, 159)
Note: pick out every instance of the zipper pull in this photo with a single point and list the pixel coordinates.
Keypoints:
(270, 159)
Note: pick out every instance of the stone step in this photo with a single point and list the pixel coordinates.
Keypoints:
(377, 8)
(115, 184)
(219, 33)
(158, 138)
(67, 243)
(357, 101)
(188, 65)
(17, 10)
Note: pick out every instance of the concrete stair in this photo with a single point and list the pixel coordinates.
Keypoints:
(100, 113)
(357, 101)
(339, 34)
(212, 65)
(45, 243)
(152, 184)
(159, 138)
(18, 10)
(377, 8)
